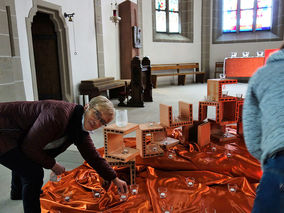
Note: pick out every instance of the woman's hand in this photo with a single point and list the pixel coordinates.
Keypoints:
(58, 169)
(121, 185)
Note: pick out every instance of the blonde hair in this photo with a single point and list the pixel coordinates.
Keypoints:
(104, 105)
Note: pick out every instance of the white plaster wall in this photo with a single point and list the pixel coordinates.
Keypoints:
(84, 64)
(111, 40)
(167, 52)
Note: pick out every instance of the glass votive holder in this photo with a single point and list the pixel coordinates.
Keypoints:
(154, 148)
(225, 93)
(228, 154)
(245, 54)
(134, 189)
(212, 147)
(239, 95)
(121, 118)
(171, 155)
(167, 209)
(152, 123)
(209, 210)
(123, 197)
(190, 181)
(208, 98)
(124, 151)
(96, 193)
(54, 178)
(259, 53)
(67, 196)
(162, 192)
(232, 187)
(222, 76)
(234, 54)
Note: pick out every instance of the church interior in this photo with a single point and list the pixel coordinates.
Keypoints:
(179, 69)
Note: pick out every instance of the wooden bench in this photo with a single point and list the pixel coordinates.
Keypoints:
(95, 87)
(199, 76)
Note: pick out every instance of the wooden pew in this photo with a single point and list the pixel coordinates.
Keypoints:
(95, 87)
(158, 69)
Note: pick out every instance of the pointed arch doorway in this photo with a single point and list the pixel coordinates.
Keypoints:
(49, 52)
(46, 57)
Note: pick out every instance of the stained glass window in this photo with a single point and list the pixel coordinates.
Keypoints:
(247, 4)
(246, 20)
(160, 4)
(173, 5)
(246, 15)
(161, 21)
(229, 21)
(173, 22)
(263, 21)
(230, 5)
(167, 16)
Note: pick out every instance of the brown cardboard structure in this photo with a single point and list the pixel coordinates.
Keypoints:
(184, 118)
(114, 147)
(228, 108)
(148, 138)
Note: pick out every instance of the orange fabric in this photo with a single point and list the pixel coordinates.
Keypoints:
(212, 171)
(242, 67)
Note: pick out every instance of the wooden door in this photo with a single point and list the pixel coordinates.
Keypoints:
(46, 58)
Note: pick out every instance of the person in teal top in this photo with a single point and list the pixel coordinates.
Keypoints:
(263, 123)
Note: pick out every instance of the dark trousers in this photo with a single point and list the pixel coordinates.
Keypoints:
(270, 191)
(27, 178)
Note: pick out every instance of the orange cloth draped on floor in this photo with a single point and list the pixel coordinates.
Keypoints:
(211, 169)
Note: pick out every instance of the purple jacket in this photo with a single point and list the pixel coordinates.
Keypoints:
(32, 125)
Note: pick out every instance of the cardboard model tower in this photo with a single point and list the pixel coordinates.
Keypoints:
(228, 108)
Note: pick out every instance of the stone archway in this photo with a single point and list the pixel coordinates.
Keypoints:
(55, 13)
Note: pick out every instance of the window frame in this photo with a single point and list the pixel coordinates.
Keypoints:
(274, 34)
(185, 34)
(168, 18)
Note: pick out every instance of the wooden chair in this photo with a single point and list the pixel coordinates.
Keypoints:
(218, 69)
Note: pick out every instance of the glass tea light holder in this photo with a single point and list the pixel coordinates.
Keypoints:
(259, 53)
(121, 118)
(171, 155)
(190, 182)
(228, 154)
(124, 149)
(232, 187)
(212, 147)
(234, 54)
(134, 189)
(67, 196)
(209, 210)
(54, 178)
(222, 76)
(225, 93)
(245, 54)
(152, 148)
(97, 193)
(123, 196)
(208, 98)
(239, 96)
(167, 209)
(162, 192)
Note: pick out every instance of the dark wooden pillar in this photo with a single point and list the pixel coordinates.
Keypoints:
(128, 13)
